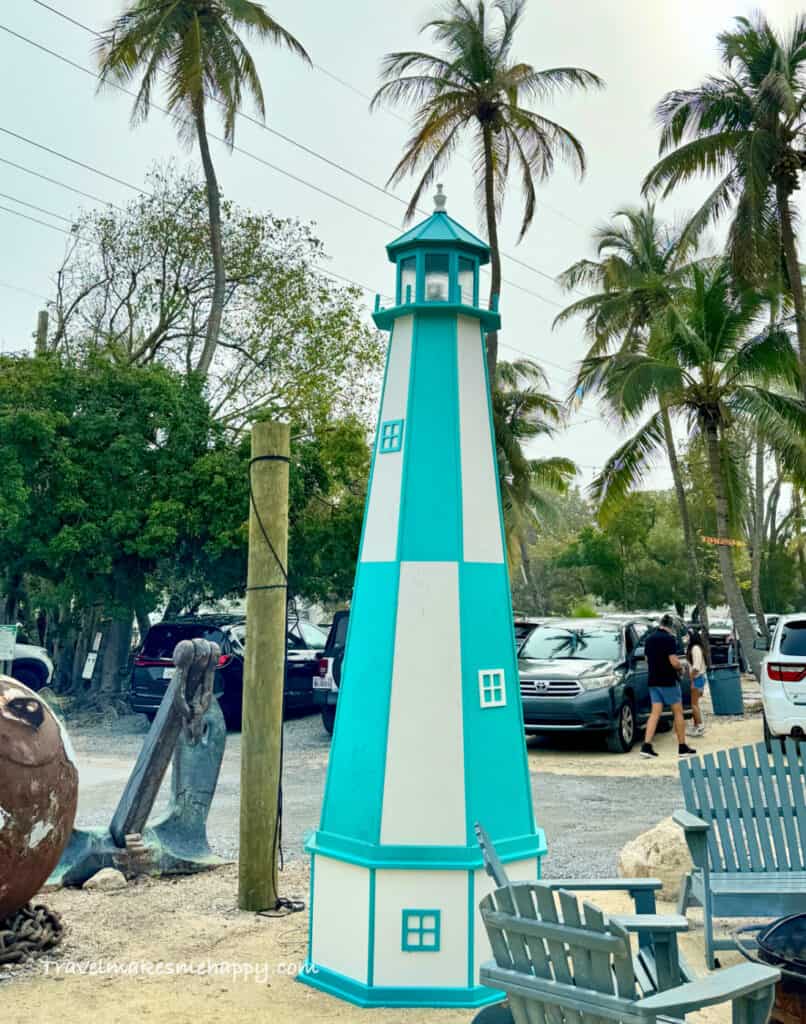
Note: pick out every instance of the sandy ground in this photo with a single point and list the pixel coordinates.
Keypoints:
(570, 758)
(195, 920)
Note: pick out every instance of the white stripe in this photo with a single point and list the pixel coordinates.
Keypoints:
(341, 917)
(481, 523)
(383, 509)
(424, 784)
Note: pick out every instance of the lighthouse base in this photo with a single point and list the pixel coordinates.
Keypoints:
(407, 935)
(380, 996)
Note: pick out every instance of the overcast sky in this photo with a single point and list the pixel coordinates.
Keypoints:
(642, 48)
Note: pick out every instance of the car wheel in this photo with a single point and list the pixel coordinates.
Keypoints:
(28, 677)
(622, 738)
(329, 717)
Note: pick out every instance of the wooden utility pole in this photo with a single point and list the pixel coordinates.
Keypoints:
(42, 332)
(264, 666)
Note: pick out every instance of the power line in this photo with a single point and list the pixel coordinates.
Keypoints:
(39, 209)
(24, 291)
(35, 220)
(61, 184)
(273, 131)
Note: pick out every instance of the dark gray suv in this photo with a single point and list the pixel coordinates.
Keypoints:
(587, 675)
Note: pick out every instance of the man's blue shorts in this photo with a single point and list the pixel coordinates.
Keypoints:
(666, 694)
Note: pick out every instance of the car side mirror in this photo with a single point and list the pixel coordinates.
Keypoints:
(761, 643)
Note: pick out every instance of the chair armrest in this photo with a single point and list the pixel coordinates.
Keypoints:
(690, 822)
(603, 884)
(729, 983)
(651, 922)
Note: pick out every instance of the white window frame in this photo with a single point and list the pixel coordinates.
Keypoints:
(492, 681)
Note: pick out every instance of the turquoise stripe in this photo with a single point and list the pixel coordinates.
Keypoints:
(354, 789)
(423, 858)
(356, 992)
(431, 514)
(498, 793)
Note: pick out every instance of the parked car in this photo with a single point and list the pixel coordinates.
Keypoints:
(783, 679)
(588, 675)
(327, 680)
(725, 646)
(154, 668)
(31, 665)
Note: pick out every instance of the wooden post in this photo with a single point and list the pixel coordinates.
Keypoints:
(42, 332)
(264, 666)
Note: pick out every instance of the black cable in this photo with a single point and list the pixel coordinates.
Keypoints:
(39, 209)
(35, 220)
(61, 184)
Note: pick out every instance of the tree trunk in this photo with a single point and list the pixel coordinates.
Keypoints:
(115, 658)
(495, 254)
(688, 533)
(216, 248)
(143, 620)
(790, 246)
(797, 508)
(741, 620)
(758, 538)
(528, 579)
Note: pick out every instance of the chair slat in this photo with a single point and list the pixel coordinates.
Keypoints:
(785, 801)
(774, 817)
(497, 940)
(733, 813)
(798, 781)
(699, 782)
(533, 1013)
(746, 807)
(751, 756)
(556, 950)
(720, 813)
(580, 954)
(541, 964)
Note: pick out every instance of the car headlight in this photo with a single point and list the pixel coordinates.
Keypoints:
(599, 682)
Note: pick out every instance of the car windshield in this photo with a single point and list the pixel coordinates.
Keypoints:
(793, 638)
(586, 644)
(162, 639)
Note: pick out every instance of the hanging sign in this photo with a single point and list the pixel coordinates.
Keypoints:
(725, 542)
(8, 641)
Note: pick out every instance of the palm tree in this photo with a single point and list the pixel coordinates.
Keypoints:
(642, 265)
(746, 127)
(523, 411)
(475, 83)
(704, 365)
(195, 45)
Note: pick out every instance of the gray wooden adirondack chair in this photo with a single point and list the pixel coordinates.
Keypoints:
(745, 825)
(562, 963)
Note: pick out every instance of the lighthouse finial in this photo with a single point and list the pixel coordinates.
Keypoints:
(440, 199)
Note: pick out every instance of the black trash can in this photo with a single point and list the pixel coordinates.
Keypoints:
(782, 944)
(725, 684)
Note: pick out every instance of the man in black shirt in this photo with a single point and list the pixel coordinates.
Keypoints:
(664, 685)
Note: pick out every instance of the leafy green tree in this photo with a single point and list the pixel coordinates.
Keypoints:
(135, 284)
(195, 47)
(475, 84)
(642, 265)
(707, 365)
(745, 127)
(523, 412)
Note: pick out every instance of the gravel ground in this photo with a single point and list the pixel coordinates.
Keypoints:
(587, 817)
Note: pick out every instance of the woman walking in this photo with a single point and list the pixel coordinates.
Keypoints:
(698, 673)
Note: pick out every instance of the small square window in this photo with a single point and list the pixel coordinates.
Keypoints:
(391, 436)
(421, 931)
(492, 688)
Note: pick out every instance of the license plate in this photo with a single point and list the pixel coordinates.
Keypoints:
(321, 684)
(168, 673)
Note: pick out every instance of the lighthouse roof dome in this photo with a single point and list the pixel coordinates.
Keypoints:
(440, 229)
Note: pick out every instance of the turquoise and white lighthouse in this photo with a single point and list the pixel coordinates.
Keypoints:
(429, 733)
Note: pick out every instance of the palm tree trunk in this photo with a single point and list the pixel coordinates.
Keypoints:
(216, 248)
(495, 254)
(797, 509)
(758, 538)
(790, 246)
(738, 611)
(688, 533)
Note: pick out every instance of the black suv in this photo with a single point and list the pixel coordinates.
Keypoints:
(588, 675)
(154, 668)
(328, 678)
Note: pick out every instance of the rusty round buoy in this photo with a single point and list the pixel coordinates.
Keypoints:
(38, 793)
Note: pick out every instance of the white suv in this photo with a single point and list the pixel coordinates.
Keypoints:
(783, 680)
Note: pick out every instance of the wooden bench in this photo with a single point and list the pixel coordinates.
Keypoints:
(560, 962)
(745, 825)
